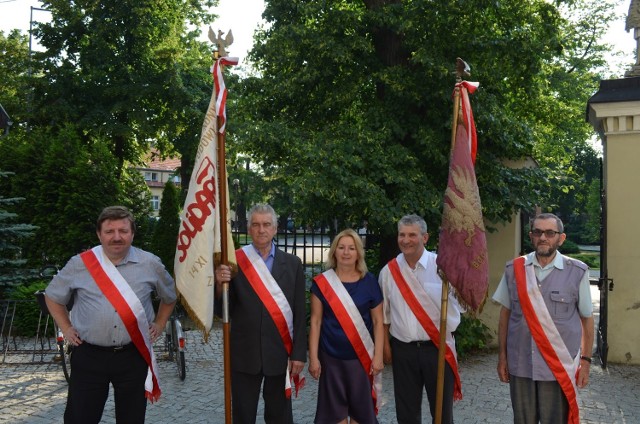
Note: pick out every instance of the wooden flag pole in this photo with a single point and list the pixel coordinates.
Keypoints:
(442, 347)
(222, 206)
(461, 69)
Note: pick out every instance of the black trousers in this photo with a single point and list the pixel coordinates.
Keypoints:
(245, 391)
(92, 371)
(415, 365)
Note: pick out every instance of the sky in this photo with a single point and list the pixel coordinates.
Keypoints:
(243, 16)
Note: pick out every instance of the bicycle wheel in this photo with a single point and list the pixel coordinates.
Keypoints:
(168, 343)
(182, 368)
(176, 333)
(64, 349)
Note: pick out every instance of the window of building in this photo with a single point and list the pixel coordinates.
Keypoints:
(155, 203)
(151, 176)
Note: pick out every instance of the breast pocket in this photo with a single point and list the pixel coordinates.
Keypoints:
(563, 304)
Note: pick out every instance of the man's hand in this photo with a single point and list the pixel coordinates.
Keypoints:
(154, 331)
(223, 274)
(583, 374)
(295, 367)
(71, 335)
(386, 353)
(503, 370)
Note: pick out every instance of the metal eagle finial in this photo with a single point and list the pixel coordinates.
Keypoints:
(462, 69)
(221, 42)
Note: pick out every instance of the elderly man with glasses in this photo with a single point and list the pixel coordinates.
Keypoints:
(545, 332)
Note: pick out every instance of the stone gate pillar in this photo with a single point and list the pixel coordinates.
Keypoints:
(614, 111)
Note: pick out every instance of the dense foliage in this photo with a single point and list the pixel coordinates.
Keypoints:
(350, 106)
(472, 336)
(110, 80)
(115, 69)
(165, 234)
(28, 320)
(346, 116)
(13, 234)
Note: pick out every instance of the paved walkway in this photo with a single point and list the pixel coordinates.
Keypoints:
(36, 393)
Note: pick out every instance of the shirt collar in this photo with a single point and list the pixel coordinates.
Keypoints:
(557, 261)
(422, 262)
(272, 252)
(133, 255)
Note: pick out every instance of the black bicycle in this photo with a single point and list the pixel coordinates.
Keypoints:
(174, 342)
(64, 348)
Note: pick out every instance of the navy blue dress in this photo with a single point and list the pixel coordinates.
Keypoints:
(344, 388)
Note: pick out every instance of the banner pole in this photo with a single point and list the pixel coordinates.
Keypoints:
(442, 347)
(222, 205)
(444, 302)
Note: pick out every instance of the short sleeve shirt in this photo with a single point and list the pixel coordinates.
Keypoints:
(92, 315)
(585, 305)
(366, 295)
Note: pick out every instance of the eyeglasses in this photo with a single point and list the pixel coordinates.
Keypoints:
(548, 233)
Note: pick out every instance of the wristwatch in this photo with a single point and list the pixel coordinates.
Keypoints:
(586, 358)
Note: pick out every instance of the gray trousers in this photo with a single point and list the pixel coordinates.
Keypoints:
(536, 402)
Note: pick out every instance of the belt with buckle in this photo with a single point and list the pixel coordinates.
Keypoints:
(120, 348)
(422, 343)
(417, 343)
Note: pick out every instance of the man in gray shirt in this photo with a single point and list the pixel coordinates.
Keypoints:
(112, 323)
(545, 332)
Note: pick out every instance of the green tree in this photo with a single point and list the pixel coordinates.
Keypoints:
(114, 68)
(66, 185)
(14, 65)
(165, 236)
(592, 226)
(192, 91)
(113, 79)
(13, 235)
(136, 196)
(351, 101)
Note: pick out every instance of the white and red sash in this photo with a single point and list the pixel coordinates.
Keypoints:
(274, 300)
(352, 324)
(426, 311)
(126, 303)
(546, 335)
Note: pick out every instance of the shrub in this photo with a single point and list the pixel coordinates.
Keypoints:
(569, 247)
(471, 336)
(593, 261)
(25, 322)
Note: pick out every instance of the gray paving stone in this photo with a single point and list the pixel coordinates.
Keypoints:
(36, 393)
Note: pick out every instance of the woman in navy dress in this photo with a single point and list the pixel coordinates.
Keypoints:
(345, 387)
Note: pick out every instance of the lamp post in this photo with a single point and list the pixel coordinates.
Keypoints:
(236, 187)
(29, 71)
(31, 32)
(5, 122)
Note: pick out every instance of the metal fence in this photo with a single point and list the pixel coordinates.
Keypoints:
(27, 333)
(22, 345)
(310, 246)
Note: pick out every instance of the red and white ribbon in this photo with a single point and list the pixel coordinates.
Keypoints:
(129, 308)
(352, 324)
(546, 335)
(467, 87)
(426, 312)
(221, 89)
(274, 300)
